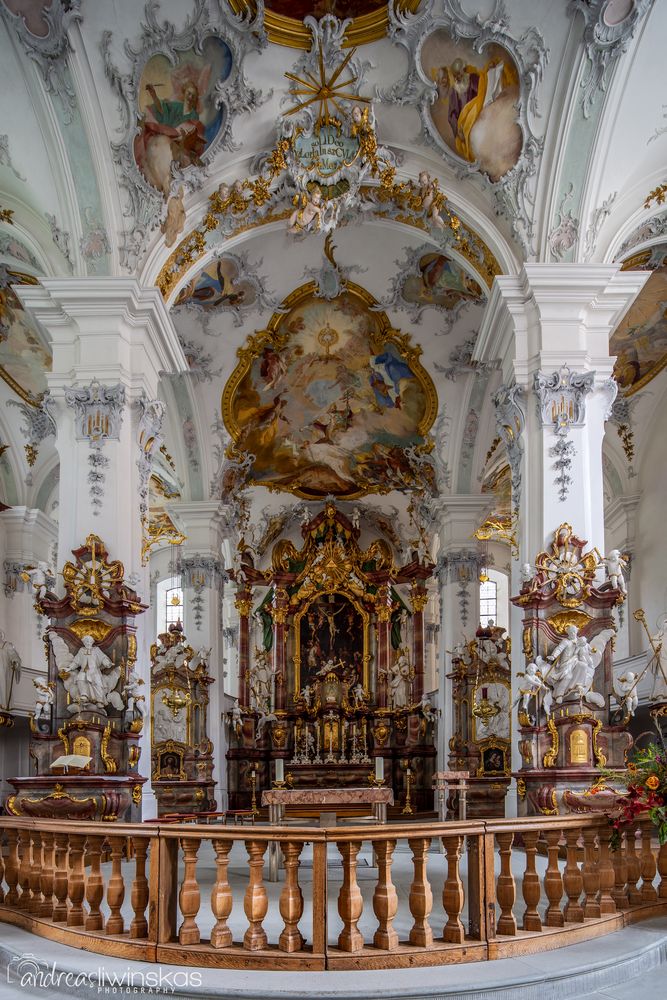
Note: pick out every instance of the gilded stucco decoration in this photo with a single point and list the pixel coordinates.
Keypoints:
(178, 101)
(329, 399)
(476, 89)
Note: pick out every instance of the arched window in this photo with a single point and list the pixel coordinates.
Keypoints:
(169, 603)
(488, 602)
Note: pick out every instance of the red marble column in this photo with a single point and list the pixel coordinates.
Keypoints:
(279, 611)
(383, 605)
(243, 604)
(418, 599)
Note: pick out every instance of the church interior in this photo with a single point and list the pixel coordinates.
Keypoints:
(333, 340)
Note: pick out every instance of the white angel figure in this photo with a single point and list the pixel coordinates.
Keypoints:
(625, 691)
(135, 697)
(614, 565)
(89, 676)
(263, 720)
(39, 576)
(426, 708)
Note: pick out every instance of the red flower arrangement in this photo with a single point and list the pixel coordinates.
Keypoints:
(646, 784)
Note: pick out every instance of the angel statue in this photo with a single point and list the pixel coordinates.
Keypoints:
(43, 698)
(533, 684)
(573, 665)
(89, 677)
(39, 576)
(425, 706)
(614, 565)
(625, 692)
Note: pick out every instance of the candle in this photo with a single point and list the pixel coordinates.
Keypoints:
(379, 768)
(280, 769)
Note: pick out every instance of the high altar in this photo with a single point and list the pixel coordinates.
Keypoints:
(334, 694)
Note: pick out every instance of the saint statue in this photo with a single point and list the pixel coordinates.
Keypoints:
(10, 670)
(89, 677)
(399, 676)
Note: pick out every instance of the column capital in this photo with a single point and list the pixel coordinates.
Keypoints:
(29, 533)
(108, 328)
(552, 314)
(205, 523)
(458, 517)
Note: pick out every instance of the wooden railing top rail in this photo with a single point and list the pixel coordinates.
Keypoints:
(338, 834)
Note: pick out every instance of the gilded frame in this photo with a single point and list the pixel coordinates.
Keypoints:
(386, 334)
(188, 716)
(365, 617)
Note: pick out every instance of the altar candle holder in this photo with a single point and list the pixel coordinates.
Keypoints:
(317, 759)
(253, 786)
(407, 808)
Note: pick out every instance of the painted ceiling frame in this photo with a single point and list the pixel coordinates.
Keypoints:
(514, 192)
(146, 204)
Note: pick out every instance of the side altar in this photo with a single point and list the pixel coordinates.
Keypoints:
(567, 723)
(181, 752)
(333, 696)
(86, 727)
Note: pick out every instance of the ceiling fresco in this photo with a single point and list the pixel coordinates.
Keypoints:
(24, 359)
(640, 340)
(339, 8)
(440, 282)
(475, 108)
(330, 400)
(180, 115)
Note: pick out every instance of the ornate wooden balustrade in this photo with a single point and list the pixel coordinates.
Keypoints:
(502, 888)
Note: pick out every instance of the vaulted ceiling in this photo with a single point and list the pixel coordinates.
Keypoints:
(561, 135)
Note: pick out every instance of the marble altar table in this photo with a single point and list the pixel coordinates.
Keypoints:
(325, 798)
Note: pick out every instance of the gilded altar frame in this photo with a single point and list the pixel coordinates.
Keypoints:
(365, 617)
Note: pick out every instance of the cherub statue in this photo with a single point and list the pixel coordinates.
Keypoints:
(625, 690)
(39, 576)
(358, 694)
(135, 699)
(43, 698)
(235, 718)
(355, 518)
(431, 199)
(174, 222)
(426, 708)
(307, 695)
(614, 565)
(263, 720)
(533, 684)
(308, 217)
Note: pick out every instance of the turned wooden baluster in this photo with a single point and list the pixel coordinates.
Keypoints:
(452, 892)
(590, 874)
(350, 901)
(607, 875)
(620, 863)
(12, 868)
(36, 898)
(506, 887)
(94, 885)
(291, 900)
(385, 899)
(662, 871)
(634, 867)
(139, 891)
(531, 883)
(60, 878)
(116, 888)
(553, 882)
(255, 901)
(24, 870)
(46, 882)
(76, 885)
(221, 896)
(572, 879)
(421, 897)
(648, 866)
(189, 896)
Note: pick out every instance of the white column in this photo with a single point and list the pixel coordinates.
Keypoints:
(458, 564)
(550, 327)
(110, 339)
(205, 525)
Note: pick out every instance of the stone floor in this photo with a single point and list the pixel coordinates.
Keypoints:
(619, 966)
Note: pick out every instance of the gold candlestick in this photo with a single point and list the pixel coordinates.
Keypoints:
(253, 786)
(407, 808)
